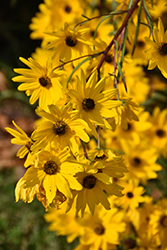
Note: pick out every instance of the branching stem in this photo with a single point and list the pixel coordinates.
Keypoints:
(130, 12)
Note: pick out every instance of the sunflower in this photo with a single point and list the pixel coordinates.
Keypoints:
(108, 163)
(158, 222)
(65, 223)
(94, 183)
(132, 195)
(158, 49)
(39, 82)
(61, 127)
(125, 112)
(53, 14)
(26, 194)
(158, 131)
(21, 138)
(53, 172)
(103, 228)
(108, 64)
(68, 44)
(92, 103)
(141, 160)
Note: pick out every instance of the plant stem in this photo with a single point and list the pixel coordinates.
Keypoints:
(84, 149)
(130, 12)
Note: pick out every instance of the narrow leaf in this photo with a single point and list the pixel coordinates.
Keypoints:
(137, 28)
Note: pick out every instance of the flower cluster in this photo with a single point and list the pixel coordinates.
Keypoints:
(95, 147)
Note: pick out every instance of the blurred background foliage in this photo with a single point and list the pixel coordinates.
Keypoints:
(22, 226)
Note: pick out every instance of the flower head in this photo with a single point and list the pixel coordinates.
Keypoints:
(141, 160)
(69, 44)
(158, 49)
(53, 172)
(61, 127)
(39, 82)
(94, 185)
(102, 228)
(21, 138)
(132, 196)
(92, 103)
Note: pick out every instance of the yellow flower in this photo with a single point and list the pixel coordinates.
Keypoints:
(158, 49)
(61, 127)
(65, 223)
(108, 163)
(69, 44)
(158, 222)
(40, 22)
(26, 194)
(40, 82)
(137, 82)
(53, 14)
(124, 112)
(53, 172)
(103, 228)
(94, 183)
(108, 64)
(132, 195)
(21, 138)
(92, 103)
(141, 160)
(135, 130)
(145, 229)
(158, 131)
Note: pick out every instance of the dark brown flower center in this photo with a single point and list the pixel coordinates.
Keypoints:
(45, 82)
(88, 104)
(60, 128)
(71, 41)
(99, 229)
(89, 182)
(100, 171)
(92, 32)
(67, 9)
(163, 221)
(130, 243)
(140, 44)
(163, 49)
(136, 161)
(108, 58)
(129, 126)
(28, 145)
(102, 157)
(50, 167)
(160, 133)
(129, 194)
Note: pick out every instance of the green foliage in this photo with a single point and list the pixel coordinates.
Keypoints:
(22, 226)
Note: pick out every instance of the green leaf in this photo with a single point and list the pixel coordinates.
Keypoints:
(104, 18)
(148, 15)
(119, 66)
(137, 28)
(79, 65)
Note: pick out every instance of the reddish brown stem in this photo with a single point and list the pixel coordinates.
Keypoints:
(130, 12)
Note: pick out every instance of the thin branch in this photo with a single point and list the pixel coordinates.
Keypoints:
(72, 60)
(130, 12)
(98, 128)
(92, 18)
(84, 149)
